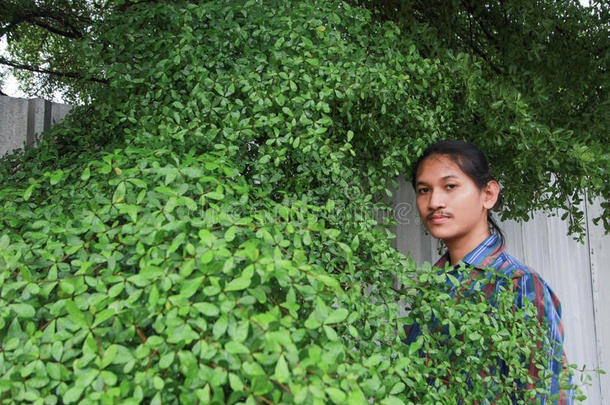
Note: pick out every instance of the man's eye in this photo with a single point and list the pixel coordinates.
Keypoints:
(422, 190)
(450, 186)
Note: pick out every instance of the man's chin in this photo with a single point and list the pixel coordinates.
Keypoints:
(440, 231)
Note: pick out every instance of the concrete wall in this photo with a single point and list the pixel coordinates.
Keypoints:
(22, 119)
(578, 273)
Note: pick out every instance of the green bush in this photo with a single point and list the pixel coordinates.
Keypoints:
(205, 229)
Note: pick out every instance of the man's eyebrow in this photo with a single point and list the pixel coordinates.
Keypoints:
(449, 176)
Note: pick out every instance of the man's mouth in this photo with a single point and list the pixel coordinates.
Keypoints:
(438, 218)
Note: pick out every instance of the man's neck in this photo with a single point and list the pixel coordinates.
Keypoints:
(458, 249)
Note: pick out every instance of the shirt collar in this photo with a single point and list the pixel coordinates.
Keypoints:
(481, 256)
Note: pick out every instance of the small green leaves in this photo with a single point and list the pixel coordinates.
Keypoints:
(205, 229)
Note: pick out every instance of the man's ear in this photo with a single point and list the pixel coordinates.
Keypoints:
(491, 192)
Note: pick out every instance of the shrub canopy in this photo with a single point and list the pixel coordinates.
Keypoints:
(204, 230)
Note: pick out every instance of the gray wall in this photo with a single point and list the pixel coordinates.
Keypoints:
(578, 273)
(21, 119)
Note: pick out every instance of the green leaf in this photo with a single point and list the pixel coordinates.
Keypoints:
(373, 360)
(158, 383)
(165, 190)
(167, 359)
(261, 385)
(236, 383)
(253, 369)
(207, 308)
(103, 316)
(116, 289)
(335, 394)
(230, 234)
(392, 400)
(109, 356)
(397, 388)
(189, 203)
(28, 191)
(220, 327)
(182, 334)
(204, 394)
(330, 333)
(119, 193)
(57, 350)
(56, 177)
(237, 284)
(24, 310)
(191, 287)
(327, 280)
(336, 316)
(415, 346)
(54, 370)
(236, 348)
(282, 374)
(75, 314)
(206, 237)
(86, 174)
(312, 322)
(73, 395)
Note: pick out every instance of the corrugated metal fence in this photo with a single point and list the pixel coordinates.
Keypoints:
(578, 273)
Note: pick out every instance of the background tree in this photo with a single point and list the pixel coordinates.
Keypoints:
(203, 229)
(555, 55)
(48, 41)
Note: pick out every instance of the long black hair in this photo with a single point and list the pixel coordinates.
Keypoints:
(471, 161)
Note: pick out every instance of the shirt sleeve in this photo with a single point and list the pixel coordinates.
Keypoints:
(530, 287)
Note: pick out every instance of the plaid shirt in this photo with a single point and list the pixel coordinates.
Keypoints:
(528, 284)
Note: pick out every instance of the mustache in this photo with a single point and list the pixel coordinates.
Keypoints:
(438, 214)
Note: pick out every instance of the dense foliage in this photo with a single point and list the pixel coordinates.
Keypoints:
(547, 63)
(204, 229)
(556, 54)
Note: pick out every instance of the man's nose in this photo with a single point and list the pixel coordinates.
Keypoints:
(437, 200)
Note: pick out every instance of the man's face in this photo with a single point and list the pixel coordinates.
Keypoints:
(450, 204)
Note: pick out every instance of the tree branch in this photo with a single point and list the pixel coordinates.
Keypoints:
(66, 25)
(73, 34)
(72, 75)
